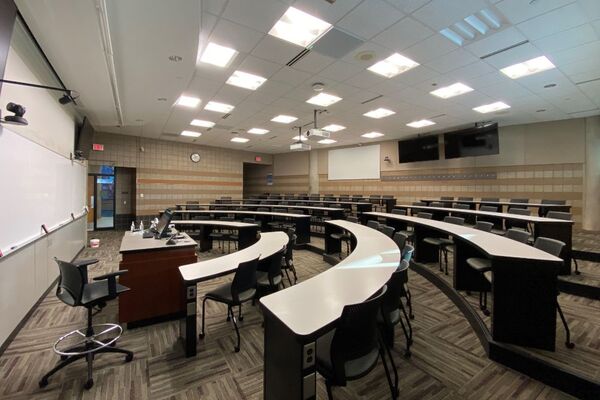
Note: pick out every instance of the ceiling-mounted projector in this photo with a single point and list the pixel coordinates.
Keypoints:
(317, 134)
(299, 146)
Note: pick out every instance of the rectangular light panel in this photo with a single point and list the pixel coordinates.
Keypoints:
(188, 101)
(284, 119)
(191, 134)
(372, 135)
(327, 141)
(300, 28)
(245, 80)
(487, 108)
(455, 89)
(324, 99)
(393, 65)
(528, 67)
(420, 123)
(379, 113)
(218, 107)
(334, 128)
(202, 123)
(258, 131)
(217, 55)
(239, 140)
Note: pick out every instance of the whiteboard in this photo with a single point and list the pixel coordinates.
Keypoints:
(38, 186)
(354, 163)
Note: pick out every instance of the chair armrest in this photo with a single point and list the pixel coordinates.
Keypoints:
(86, 262)
(112, 281)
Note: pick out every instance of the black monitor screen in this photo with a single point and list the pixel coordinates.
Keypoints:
(472, 142)
(418, 149)
(164, 221)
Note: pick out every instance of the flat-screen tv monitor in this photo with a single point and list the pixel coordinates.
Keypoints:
(418, 149)
(472, 142)
(84, 138)
(162, 228)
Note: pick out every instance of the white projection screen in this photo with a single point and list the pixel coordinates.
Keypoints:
(354, 163)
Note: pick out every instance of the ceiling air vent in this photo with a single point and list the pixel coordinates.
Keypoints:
(298, 57)
(504, 49)
(226, 116)
(588, 81)
(370, 100)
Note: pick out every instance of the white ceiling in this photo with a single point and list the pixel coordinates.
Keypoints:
(146, 32)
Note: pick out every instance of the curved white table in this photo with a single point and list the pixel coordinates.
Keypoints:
(269, 244)
(246, 232)
(297, 316)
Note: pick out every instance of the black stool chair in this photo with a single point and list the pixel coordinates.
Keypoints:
(443, 243)
(74, 290)
(393, 308)
(287, 264)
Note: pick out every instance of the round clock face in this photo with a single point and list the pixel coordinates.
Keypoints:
(195, 157)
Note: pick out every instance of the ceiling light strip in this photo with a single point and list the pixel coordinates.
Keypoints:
(503, 50)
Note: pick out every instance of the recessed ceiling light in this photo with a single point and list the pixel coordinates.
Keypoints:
(455, 89)
(298, 27)
(239, 140)
(188, 101)
(218, 107)
(393, 65)
(190, 134)
(217, 55)
(487, 108)
(528, 67)
(379, 113)
(300, 138)
(323, 99)
(245, 80)
(284, 119)
(258, 131)
(202, 123)
(333, 128)
(421, 123)
(327, 141)
(372, 135)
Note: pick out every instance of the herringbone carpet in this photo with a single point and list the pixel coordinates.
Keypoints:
(447, 362)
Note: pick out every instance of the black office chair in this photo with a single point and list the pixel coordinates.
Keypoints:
(461, 206)
(484, 226)
(74, 290)
(442, 243)
(387, 230)
(517, 201)
(343, 237)
(398, 211)
(242, 289)
(565, 216)
(488, 200)
(393, 308)
(400, 240)
(287, 264)
(352, 349)
(253, 221)
(407, 254)
(271, 279)
(373, 224)
(518, 224)
(465, 199)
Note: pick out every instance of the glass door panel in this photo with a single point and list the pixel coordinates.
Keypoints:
(105, 202)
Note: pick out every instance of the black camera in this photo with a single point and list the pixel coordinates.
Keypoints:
(19, 111)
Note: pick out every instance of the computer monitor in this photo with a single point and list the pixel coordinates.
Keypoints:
(162, 227)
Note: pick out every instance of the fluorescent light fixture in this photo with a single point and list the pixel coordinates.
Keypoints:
(327, 141)
(372, 135)
(323, 99)
(478, 24)
(284, 119)
(218, 107)
(188, 101)
(487, 108)
(490, 17)
(453, 36)
(379, 113)
(190, 134)
(393, 65)
(202, 123)
(300, 28)
(464, 29)
(245, 80)
(239, 140)
(528, 67)
(300, 138)
(217, 55)
(455, 89)
(258, 131)
(421, 123)
(333, 128)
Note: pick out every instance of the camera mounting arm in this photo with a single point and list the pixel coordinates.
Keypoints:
(69, 97)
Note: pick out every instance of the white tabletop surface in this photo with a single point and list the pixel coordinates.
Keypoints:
(133, 241)
(500, 203)
(515, 217)
(259, 205)
(215, 222)
(491, 244)
(268, 244)
(241, 212)
(312, 304)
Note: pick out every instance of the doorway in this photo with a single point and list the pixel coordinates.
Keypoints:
(258, 179)
(101, 199)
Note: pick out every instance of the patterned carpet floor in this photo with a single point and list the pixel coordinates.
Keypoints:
(447, 360)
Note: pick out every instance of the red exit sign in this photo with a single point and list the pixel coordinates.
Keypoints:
(257, 158)
(97, 147)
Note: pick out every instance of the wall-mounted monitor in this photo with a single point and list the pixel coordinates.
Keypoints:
(84, 137)
(418, 149)
(472, 142)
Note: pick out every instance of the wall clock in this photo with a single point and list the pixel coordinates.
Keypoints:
(195, 157)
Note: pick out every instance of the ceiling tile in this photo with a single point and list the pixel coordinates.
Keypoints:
(290, 76)
(313, 63)
(558, 20)
(455, 59)
(260, 67)
(515, 55)
(440, 14)
(326, 11)
(520, 10)
(430, 48)
(408, 6)
(370, 18)
(567, 39)
(495, 42)
(273, 49)
(403, 34)
(261, 18)
(235, 36)
(340, 71)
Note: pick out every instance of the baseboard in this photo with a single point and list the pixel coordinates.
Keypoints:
(24, 320)
(578, 289)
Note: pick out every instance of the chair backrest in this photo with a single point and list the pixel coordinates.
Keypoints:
(484, 226)
(491, 199)
(488, 209)
(275, 265)
(191, 205)
(400, 239)
(446, 198)
(387, 230)
(387, 196)
(395, 289)
(419, 203)
(244, 278)
(289, 247)
(548, 245)
(454, 220)
(353, 219)
(398, 211)
(71, 283)
(201, 217)
(559, 215)
(465, 198)
(437, 204)
(425, 215)
(519, 200)
(407, 253)
(461, 206)
(373, 224)
(356, 334)
(517, 234)
(560, 202)
(519, 211)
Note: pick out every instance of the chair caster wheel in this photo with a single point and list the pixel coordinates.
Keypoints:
(570, 345)
(228, 319)
(411, 316)
(241, 318)
(88, 384)
(128, 357)
(201, 336)
(236, 349)
(43, 383)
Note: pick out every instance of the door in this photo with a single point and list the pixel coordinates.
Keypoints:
(91, 187)
(101, 202)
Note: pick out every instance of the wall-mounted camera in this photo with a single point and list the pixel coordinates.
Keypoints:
(18, 111)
